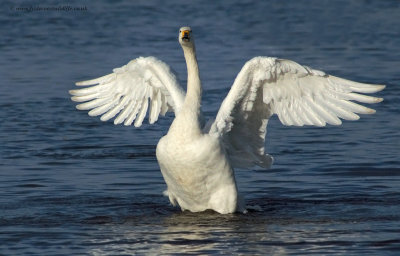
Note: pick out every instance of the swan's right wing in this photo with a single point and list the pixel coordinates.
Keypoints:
(130, 90)
(297, 94)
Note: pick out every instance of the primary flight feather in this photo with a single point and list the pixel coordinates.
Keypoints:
(197, 160)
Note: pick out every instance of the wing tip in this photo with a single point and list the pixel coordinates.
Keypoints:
(75, 94)
(337, 122)
(105, 118)
(380, 87)
(84, 83)
(356, 117)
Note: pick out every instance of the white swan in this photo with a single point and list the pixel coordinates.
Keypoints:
(197, 161)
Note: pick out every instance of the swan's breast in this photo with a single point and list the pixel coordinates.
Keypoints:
(197, 172)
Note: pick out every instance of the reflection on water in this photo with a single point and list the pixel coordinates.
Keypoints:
(203, 233)
(282, 226)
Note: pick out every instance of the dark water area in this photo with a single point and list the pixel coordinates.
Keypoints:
(73, 185)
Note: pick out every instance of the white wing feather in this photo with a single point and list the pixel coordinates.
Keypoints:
(299, 96)
(126, 92)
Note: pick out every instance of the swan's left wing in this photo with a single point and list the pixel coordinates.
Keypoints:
(299, 96)
(130, 90)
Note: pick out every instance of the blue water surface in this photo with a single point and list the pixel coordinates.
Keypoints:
(73, 185)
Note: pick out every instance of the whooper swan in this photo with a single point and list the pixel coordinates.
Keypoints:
(197, 160)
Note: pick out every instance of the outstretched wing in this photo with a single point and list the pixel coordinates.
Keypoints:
(299, 96)
(130, 90)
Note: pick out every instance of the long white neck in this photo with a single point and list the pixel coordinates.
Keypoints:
(187, 122)
(193, 94)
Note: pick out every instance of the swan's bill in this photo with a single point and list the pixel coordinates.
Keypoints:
(185, 34)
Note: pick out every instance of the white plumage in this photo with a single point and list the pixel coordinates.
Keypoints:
(126, 92)
(197, 161)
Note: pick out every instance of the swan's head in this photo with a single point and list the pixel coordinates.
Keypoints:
(185, 36)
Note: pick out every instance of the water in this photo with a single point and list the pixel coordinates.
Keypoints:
(73, 185)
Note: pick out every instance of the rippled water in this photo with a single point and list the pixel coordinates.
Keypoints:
(73, 185)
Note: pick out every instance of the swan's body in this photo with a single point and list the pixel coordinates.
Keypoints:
(197, 161)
